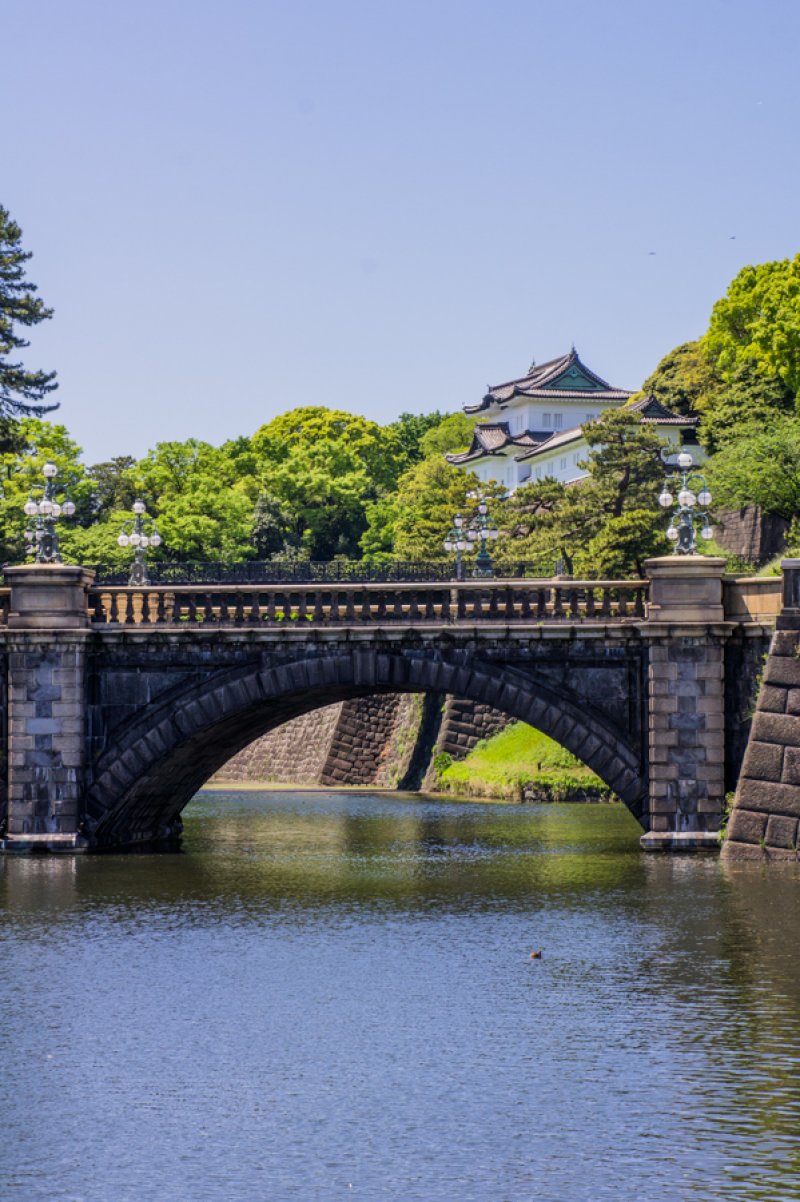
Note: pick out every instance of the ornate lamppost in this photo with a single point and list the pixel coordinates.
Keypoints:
(466, 533)
(483, 530)
(133, 535)
(692, 491)
(42, 532)
(456, 541)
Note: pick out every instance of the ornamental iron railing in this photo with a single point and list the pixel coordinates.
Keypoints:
(344, 571)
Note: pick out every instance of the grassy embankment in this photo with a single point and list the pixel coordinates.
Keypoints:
(520, 764)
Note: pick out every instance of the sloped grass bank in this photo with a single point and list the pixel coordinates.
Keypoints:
(520, 764)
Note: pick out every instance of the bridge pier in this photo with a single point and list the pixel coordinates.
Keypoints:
(686, 695)
(48, 625)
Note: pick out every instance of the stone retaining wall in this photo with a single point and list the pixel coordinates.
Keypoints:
(362, 740)
(751, 534)
(294, 754)
(764, 822)
(368, 741)
(465, 723)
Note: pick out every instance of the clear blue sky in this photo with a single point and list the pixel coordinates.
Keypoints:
(240, 207)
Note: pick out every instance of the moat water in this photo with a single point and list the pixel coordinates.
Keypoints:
(332, 996)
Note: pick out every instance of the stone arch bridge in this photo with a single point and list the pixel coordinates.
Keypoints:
(121, 702)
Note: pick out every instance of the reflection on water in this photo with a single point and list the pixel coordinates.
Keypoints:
(331, 995)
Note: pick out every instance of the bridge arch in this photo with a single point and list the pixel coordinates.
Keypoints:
(162, 755)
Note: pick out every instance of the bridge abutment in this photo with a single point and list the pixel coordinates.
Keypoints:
(46, 656)
(686, 695)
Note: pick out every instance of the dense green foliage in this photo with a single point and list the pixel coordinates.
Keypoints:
(519, 756)
(757, 323)
(684, 379)
(317, 483)
(21, 391)
(609, 524)
(742, 380)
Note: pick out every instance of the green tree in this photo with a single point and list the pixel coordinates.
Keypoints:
(272, 527)
(377, 448)
(748, 399)
(113, 485)
(622, 544)
(323, 489)
(408, 432)
(21, 391)
(597, 524)
(453, 433)
(203, 498)
(21, 477)
(685, 379)
(624, 461)
(760, 468)
(414, 522)
(757, 322)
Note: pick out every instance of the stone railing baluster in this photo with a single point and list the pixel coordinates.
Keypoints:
(484, 601)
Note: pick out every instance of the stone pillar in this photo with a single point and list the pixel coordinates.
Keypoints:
(686, 703)
(48, 630)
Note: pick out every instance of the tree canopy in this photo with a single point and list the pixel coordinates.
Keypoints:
(21, 391)
(757, 322)
(684, 379)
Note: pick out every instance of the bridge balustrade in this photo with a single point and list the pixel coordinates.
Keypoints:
(348, 605)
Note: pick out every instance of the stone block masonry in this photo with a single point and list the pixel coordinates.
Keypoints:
(114, 722)
(362, 740)
(764, 820)
(367, 741)
(294, 754)
(465, 723)
(46, 742)
(686, 710)
(686, 734)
